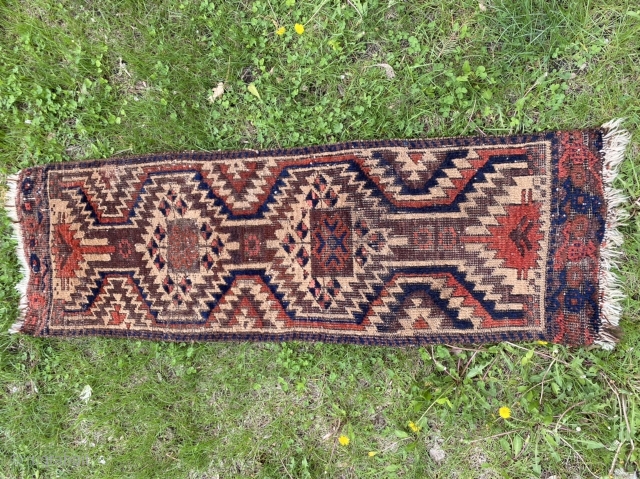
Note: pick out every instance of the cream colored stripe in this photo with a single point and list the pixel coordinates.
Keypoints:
(97, 257)
(95, 242)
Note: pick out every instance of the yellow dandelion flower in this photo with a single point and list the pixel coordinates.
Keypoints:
(505, 412)
(280, 31)
(543, 343)
(343, 440)
(299, 28)
(372, 453)
(414, 427)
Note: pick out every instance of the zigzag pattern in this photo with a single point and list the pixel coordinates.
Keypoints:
(403, 239)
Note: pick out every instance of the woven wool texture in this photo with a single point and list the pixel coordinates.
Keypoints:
(458, 240)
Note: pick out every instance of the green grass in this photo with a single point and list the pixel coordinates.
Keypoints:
(91, 79)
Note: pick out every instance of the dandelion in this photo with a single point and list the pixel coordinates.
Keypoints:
(343, 440)
(542, 343)
(414, 427)
(372, 453)
(505, 412)
(280, 31)
(299, 28)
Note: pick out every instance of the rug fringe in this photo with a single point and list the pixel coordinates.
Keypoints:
(615, 142)
(10, 204)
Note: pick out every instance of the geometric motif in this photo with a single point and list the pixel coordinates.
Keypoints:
(388, 242)
(331, 251)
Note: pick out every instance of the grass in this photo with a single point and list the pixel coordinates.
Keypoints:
(87, 79)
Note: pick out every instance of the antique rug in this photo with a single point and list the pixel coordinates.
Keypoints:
(392, 242)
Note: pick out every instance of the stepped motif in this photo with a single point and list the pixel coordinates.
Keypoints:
(387, 241)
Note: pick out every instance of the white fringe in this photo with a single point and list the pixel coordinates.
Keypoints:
(12, 211)
(611, 296)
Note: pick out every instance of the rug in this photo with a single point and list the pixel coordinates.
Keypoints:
(392, 242)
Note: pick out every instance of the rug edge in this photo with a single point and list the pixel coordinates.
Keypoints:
(10, 205)
(615, 141)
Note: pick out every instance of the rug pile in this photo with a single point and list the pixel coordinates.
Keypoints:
(394, 242)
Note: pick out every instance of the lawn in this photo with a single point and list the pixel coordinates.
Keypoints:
(96, 79)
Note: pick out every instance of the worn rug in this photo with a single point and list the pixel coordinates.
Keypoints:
(392, 242)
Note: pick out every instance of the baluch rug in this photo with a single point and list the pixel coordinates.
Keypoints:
(393, 242)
